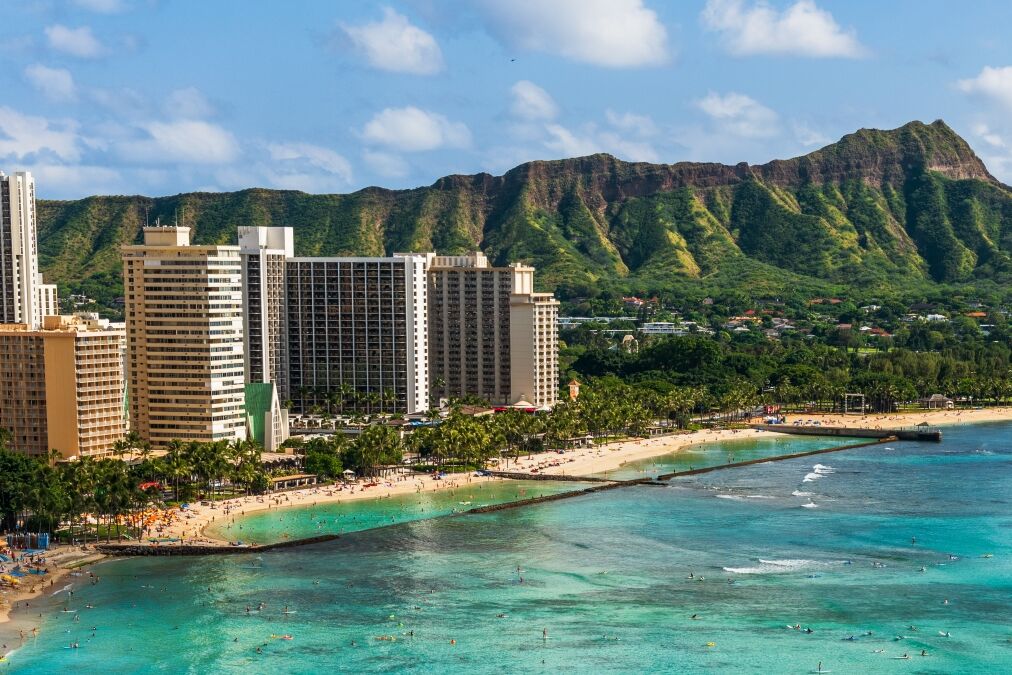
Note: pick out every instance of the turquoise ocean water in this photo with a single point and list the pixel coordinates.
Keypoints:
(824, 541)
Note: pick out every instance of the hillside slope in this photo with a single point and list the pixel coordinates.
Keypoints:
(877, 208)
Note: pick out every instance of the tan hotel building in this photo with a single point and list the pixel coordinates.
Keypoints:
(61, 387)
(184, 322)
(490, 334)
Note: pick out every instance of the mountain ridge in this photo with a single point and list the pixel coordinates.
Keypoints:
(909, 205)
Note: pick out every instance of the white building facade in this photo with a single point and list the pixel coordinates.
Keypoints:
(19, 256)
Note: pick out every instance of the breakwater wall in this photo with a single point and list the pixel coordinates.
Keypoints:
(776, 458)
(913, 434)
(611, 485)
(205, 549)
(519, 475)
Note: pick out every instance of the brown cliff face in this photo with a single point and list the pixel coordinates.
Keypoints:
(878, 207)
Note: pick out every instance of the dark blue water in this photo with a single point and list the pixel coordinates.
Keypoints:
(826, 544)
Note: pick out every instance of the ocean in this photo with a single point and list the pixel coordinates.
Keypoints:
(904, 547)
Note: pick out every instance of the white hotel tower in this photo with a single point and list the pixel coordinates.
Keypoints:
(20, 297)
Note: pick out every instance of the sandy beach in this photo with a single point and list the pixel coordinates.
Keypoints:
(190, 525)
(16, 622)
(583, 462)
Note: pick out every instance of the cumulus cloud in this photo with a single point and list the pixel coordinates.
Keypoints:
(808, 136)
(24, 136)
(79, 42)
(396, 45)
(183, 141)
(739, 114)
(386, 164)
(801, 29)
(611, 33)
(314, 156)
(75, 180)
(564, 142)
(641, 125)
(56, 84)
(102, 6)
(411, 129)
(531, 102)
(992, 83)
(986, 134)
(188, 103)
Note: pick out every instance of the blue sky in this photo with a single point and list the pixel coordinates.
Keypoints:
(164, 96)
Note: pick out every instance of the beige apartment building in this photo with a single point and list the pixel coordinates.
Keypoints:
(490, 334)
(62, 387)
(184, 323)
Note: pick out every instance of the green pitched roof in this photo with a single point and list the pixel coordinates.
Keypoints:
(258, 404)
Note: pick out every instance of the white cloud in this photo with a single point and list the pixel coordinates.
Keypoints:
(990, 137)
(78, 42)
(183, 141)
(739, 114)
(641, 125)
(801, 29)
(188, 103)
(75, 180)
(564, 142)
(993, 83)
(56, 84)
(396, 45)
(611, 33)
(531, 102)
(23, 136)
(808, 136)
(411, 129)
(386, 164)
(314, 156)
(102, 6)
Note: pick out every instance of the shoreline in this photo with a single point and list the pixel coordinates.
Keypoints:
(594, 461)
(16, 629)
(597, 460)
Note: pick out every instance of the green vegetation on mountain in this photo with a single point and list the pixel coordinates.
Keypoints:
(883, 210)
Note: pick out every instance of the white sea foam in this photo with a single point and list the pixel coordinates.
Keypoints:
(823, 469)
(801, 493)
(810, 505)
(736, 498)
(811, 476)
(772, 567)
(759, 497)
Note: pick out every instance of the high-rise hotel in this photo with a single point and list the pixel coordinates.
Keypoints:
(376, 334)
(360, 323)
(184, 323)
(23, 296)
(490, 334)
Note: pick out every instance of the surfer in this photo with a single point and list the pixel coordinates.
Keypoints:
(544, 633)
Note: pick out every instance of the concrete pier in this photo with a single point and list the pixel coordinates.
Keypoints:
(907, 434)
